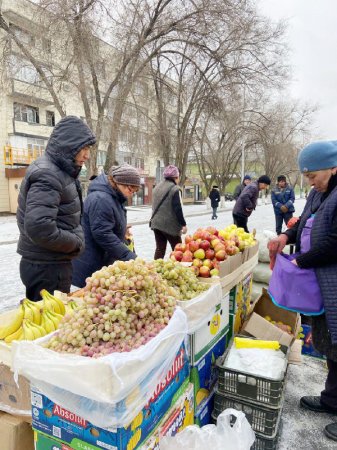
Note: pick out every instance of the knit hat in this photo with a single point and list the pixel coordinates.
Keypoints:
(264, 179)
(125, 174)
(247, 177)
(171, 172)
(281, 178)
(318, 155)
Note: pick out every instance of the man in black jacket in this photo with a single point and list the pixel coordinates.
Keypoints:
(50, 208)
(214, 196)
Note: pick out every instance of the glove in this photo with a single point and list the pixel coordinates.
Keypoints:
(276, 246)
(284, 209)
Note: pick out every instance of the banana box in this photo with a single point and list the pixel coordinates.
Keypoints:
(77, 433)
(179, 416)
(203, 415)
(210, 332)
(240, 296)
(204, 374)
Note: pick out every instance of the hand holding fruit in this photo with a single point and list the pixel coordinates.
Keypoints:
(275, 246)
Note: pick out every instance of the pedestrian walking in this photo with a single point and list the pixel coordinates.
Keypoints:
(247, 201)
(104, 222)
(167, 221)
(214, 196)
(315, 235)
(240, 187)
(49, 209)
(283, 198)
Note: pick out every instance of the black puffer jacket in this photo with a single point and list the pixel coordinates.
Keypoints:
(50, 202)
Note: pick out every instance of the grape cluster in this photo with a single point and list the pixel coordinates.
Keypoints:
(182, 278)
(125, 305)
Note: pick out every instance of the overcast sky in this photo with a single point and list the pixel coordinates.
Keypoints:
(312, 38)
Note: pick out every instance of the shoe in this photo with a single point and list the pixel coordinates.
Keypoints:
(314, 404)
(331, 431)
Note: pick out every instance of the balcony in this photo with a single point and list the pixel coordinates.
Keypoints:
(20, 156)
(28, 93)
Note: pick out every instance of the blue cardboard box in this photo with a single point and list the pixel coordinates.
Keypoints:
(203, 415)
(52, 420)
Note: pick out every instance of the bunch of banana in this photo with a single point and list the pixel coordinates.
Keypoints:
(32, 311)
(50, 320)
(28, 331)
(14, 323)
(52, 303)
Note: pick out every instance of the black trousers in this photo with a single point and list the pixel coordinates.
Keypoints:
(214, 215)
(45, 276)
(279, 218)
(241, 222)
(161, 243)
(329, 395)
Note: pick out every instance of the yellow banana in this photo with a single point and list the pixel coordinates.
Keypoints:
(58, 305)
(13, 324)
(14, 336)
(38, 330)
(55, 318)
(36, 311)
(46, 323)
(28, 312)
(28, 333)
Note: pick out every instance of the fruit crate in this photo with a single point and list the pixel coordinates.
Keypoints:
(267, 443)
(262, 390)
(262, 419)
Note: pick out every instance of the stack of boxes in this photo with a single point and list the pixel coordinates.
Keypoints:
(240, 298)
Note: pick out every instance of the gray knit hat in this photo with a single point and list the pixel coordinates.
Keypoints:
(125, 174)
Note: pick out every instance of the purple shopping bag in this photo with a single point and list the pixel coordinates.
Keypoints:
(295, 289)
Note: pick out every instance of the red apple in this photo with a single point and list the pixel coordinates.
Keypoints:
(204, 272)
(200, 254)
(209, 253)
(180, 247)
(232, 250)
(221, 255)
(188, 238)
(219, 247)
(208, 263)
(187, 256)
(197, 234)
(211, 229)
(197, 262)
(206, 236)
(178, 255)
(195, 270)
(205, 245)
(193, 246)
(215, 242)
(214, 273)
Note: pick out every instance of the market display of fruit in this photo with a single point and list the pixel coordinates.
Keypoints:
(209, 246)
(183, 279)
(282, 326)
(33, 320)
(124, 306)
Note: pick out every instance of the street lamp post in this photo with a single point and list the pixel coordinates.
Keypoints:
(242, 162)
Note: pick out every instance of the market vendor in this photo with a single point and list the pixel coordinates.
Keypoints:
(49, 209)
(104, 221)
(318, 162)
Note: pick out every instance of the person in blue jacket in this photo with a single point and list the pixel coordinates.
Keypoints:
(104, 222)
(283, 198)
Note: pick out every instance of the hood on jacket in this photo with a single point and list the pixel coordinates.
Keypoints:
(101, 183)
(69, 136)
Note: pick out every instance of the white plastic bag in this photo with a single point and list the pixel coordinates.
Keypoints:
(222, 436)
(262, 273)
(108, 391)
(199, 308)
(263, 239)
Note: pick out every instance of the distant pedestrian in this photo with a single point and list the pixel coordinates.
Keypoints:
(214, 196)
(283, 198)
(167, 221)
(247, 201)
(247, 179)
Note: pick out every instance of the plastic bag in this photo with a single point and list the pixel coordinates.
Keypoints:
(262, 273)
(222, 436)
(263, 239)
(198, 309)
(108, 391)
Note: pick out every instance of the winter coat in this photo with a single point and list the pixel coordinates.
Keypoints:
(215, 197)
(169, 217)
(104, 224)
(283, 197)
(237, 191)
(50, 200)
(247, 200)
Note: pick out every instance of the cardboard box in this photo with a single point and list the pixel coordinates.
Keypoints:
(259, 327)
(240, 296)
(53, 420)
(214, 328)
(306, 337)
(204, 374)
(203, 414)
(15, 433)
(14, 399)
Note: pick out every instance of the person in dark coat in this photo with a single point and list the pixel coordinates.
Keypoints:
(49, 209)
(247, 179)
(283, 198)
(104, 222)
(214, 196)
(167, 221)
(247, 201)
(318, 162)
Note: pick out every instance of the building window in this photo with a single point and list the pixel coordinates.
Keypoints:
(139, 163)
(50, 118)
(26, 113)
(35, 147)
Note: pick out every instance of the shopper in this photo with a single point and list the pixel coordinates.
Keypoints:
(104, 221)
(49, 209)
(247, 201)
(240, 187)
(214, 196)
(167, 221)
(318, 162)
(283, 198)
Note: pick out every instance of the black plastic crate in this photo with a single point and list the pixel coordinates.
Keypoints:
(262, 419)
(250, 387)
(265, 442)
